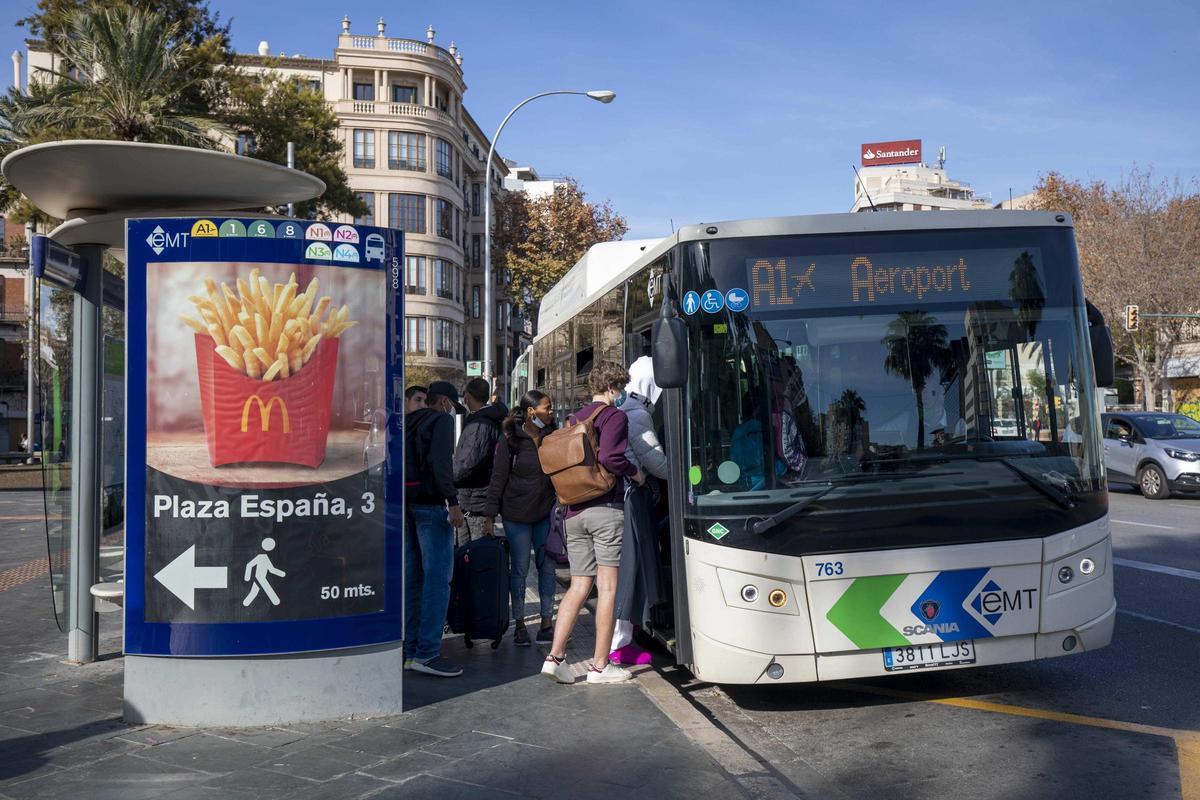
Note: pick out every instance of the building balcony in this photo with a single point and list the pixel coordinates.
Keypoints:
(399, 110)
(390, 45)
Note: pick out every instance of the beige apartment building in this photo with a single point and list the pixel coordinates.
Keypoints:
(415, 155)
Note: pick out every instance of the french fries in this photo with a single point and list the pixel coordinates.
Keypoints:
(268, 331)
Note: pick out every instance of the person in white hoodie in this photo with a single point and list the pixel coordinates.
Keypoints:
(638, 575)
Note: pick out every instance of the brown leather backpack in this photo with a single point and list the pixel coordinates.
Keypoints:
(570, 456)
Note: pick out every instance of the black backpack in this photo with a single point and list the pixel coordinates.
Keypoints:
(418, 438)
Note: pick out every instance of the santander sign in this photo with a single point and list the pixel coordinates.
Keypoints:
(907, 151)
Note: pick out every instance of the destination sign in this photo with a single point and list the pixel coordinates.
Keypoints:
(889, 279)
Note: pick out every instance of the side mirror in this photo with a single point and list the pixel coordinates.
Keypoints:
(669, 351)
(1102, 347)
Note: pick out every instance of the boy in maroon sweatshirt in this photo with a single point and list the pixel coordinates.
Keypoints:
(594, 530)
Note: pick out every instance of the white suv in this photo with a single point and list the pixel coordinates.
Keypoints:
(1159, 453)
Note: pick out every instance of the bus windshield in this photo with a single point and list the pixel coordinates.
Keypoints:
(897, 390)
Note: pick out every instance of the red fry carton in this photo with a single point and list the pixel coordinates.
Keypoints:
(281, 421)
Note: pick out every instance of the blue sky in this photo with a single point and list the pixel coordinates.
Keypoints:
(731, 110)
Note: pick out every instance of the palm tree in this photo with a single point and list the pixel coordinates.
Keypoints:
(916, 345)
(1025, 287)
(848, 409)
(127, 74)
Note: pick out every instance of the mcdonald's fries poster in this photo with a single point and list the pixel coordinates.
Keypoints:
(264, 359)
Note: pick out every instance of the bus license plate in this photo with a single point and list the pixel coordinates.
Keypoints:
(921, 656)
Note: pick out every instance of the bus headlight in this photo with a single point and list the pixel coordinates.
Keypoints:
(1087, 566)
(1065, 574)
(777, 598)
(749, 592)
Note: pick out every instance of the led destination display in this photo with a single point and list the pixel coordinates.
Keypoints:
(889, 279)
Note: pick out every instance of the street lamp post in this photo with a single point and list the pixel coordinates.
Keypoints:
(489, 284)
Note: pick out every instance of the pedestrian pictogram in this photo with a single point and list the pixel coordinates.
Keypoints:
(261, 567)
(691, 303)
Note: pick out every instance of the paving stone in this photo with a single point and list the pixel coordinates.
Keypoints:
(429, 787)
(407, 765)
(347, 787)
(465, 744)
(313, 764)
(126, 777)
(209, 753)
(386, 741)
(259, 783)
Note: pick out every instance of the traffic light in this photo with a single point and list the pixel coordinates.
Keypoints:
(1131, 318)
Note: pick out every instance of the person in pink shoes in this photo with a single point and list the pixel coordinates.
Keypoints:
(638, 585)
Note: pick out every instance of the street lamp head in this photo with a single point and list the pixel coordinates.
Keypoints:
(603, 95)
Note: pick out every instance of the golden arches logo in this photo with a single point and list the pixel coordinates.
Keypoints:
(264, 413)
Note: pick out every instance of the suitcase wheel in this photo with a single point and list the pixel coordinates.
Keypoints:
(495, 644)
(468, 641)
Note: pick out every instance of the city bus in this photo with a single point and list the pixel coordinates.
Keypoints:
(883, 437)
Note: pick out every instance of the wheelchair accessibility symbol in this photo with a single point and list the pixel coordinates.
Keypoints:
(712, 301)
(691, 303)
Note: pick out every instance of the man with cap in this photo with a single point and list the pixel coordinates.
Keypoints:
(433, 513)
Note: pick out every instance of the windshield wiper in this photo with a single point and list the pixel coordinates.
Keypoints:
(764, 525)
(1057, 490)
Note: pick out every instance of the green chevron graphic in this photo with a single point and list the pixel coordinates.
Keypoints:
(856, 613)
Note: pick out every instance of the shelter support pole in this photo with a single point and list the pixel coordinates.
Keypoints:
(86, 365)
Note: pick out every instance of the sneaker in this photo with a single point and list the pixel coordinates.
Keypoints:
(437, 666)
(556, 669)
(630, 655)
(545, 637)
(521, 637)
(610, 674)
(408, 663)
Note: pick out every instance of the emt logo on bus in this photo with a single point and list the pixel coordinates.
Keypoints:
(264, 413)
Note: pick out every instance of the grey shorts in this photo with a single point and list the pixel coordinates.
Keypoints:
(594, 537)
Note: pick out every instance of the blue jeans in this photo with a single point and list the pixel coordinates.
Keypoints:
(523, 537)
(428, 567)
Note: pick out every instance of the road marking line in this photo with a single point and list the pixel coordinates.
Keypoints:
(1149, 618)
(1187, 743)
(1146, 566)
(1144, 524)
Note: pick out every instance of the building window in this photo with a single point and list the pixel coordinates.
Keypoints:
(443, 338)
(364, 148)
(475, 251)
(414, 334)
(369, 217)
(445, 275)
(406, 150)
(364, 91)
(414, 274)
(245, 144)
(444, 219)
(444, 154)
(476, 199)
(314, 86)
(476, 348)
(404, 94)
(476, 306)
(407, 212)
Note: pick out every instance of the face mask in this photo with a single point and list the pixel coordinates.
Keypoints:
(621, 398)
(538, 423)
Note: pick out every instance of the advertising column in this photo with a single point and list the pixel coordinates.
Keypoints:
(264, 513)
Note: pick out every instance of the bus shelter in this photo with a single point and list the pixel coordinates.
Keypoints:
(165, 502)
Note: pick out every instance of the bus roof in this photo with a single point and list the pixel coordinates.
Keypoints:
(606, 264)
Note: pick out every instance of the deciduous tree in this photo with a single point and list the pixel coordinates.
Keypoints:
(1137, 243)
(537, 240)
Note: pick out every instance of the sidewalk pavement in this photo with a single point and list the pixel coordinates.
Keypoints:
(499, 731)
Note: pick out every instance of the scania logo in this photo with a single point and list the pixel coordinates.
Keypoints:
(937, 627)
(930, 608)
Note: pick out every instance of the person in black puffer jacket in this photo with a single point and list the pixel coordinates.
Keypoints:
(473, 458)
(523, 496)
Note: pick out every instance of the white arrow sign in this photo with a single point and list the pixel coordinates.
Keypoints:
(182, 577)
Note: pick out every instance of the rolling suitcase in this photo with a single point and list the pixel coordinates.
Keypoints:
(479, 591)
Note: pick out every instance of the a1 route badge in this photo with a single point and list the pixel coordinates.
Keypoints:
(264, 365)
